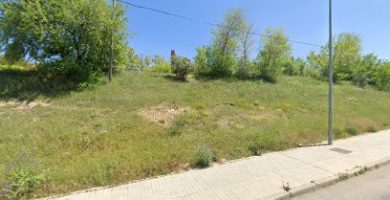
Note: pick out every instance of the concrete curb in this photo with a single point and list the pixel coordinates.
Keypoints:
(315, 185)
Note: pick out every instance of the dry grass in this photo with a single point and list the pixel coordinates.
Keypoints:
(123, 131)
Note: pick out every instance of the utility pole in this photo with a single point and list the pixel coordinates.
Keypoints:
(112, 42)
(330, 71)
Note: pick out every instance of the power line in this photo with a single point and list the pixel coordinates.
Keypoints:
(199, 21)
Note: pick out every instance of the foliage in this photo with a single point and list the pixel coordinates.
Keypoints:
(24, 183)
(245, 66)
(269, 141)
(134, 62)
(346, 55)
(273, 54)
(219, 58)
(204, 157)
(178, 125)
(381, 77)
(295, 67)
(108, 119)
(181, 67)
(71, 38)
(158, 64)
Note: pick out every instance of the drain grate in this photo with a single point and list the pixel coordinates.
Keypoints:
(339, 150)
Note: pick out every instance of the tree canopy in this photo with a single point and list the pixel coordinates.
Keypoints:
(71, 37)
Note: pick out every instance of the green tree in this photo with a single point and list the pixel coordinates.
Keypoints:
(294, 67)
(134, 62)
(346, 58)
(273, 54)
(347, 55)
(220, 56)
(381, 76)
(244, 62)
(69, 37)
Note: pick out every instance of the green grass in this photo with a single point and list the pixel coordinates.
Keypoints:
(95, 138)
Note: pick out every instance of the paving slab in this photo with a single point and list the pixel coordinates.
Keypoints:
(258, 177)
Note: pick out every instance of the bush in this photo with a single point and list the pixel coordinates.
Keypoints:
(351, 130)
(371, 129)
(244, 69)
(360, 79)
(381, 78)
(210, 62)
(23, 183)
(204, 157)
(181, 67)
(178, 125)
(160, 69)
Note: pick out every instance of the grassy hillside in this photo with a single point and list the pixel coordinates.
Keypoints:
(144, 125)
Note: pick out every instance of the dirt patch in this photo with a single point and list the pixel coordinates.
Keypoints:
(163, 115)
(21, 105)
(265, 116)
(362, 122)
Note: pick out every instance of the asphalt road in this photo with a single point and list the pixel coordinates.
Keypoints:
(373, 185)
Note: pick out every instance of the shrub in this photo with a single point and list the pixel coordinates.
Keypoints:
(204, 157)
(371, 129)
(381, 77)
(360, 79)
(23, 183)
(181, 67)
(244, 69)
(178, 125)
(160, 69)
(351, 130)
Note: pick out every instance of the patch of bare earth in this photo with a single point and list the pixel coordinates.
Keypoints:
(161, 114)
(21, 105)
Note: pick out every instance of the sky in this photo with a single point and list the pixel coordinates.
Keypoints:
(302, 20)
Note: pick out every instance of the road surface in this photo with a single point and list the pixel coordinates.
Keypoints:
(373, 185)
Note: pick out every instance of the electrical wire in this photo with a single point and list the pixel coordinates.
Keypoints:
(199, 21)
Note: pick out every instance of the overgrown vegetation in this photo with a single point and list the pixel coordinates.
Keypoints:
(68, 38)
(98, 137)
(144, 124)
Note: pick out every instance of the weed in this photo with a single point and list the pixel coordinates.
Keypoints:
(140, 147)
(351, 130)
(204, 157)
(178, 125)
(23, 183)
(371, 129)
(268, 141)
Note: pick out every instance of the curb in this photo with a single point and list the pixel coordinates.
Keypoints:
(315, 185)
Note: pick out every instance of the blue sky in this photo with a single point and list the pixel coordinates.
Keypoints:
(302, 20)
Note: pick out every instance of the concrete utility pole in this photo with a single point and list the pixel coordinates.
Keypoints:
(330, 71)
(112, 42)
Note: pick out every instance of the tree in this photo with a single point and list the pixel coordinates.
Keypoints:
(273, 54)
(69, 37)
(246, 43)
(347, 55)
(294, 67)
(220, 56)
(381, 76)
(134, 62)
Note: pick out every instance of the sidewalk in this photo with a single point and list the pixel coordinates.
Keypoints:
(259, 177)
